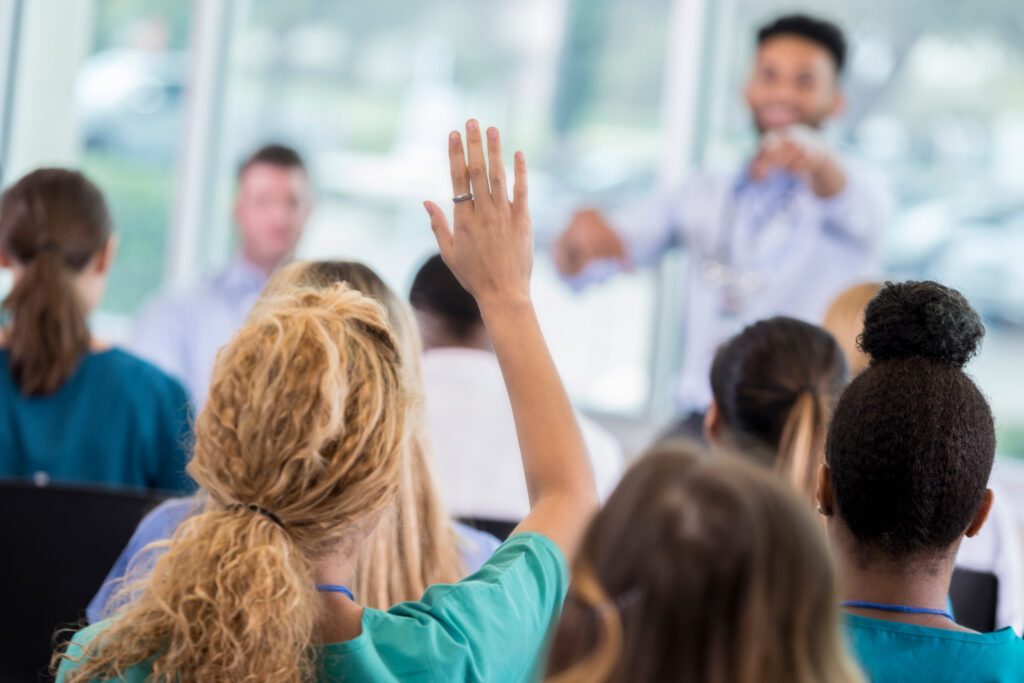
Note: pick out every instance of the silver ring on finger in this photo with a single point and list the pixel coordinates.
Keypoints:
(463, 198)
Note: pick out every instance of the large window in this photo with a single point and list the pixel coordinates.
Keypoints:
(369, 91)
(130, 106)
(938, 108)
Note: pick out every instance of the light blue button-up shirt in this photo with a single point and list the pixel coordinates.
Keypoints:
(756, 250)
(181, 331)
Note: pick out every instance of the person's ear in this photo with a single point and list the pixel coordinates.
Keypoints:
(713, 423)
(981, 515)
(5, 260)
(105, 257)
(826, 503)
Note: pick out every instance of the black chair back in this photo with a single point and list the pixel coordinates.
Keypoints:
(499, 528)
(58, 545)
(974, 596)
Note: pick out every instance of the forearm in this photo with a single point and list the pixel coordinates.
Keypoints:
(554, 456)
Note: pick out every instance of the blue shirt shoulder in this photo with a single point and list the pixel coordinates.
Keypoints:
(158, 525)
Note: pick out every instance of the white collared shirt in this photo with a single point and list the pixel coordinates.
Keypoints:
(181, 331)
(793, 251)
(473, 437)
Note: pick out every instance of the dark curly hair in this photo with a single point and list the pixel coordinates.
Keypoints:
(824, 33)
(912, 440)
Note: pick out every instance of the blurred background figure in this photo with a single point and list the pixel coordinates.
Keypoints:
(468, 410)
(75, 409)
(782, 236)
(844, 320)
(181, 332)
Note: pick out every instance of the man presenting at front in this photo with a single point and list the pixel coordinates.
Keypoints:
(782, 236)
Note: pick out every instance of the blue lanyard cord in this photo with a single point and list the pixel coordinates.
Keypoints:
(330, 588)
(898, 608)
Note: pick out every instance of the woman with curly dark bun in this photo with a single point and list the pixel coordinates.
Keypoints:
(908, 459)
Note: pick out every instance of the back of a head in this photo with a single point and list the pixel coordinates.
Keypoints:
(415, 546)
(305, 421)
(844, 320)
(52, 223)
(774, 385)
(912, 441)
(437, 291)
(703, 570)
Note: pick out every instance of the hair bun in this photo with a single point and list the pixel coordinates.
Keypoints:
(921, 319)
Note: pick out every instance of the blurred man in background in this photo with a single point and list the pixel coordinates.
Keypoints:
(782, 236)
(182, 331)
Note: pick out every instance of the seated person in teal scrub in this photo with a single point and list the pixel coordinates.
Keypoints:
(73, 409)
(908, 459)
(299, 448)
(702, 570)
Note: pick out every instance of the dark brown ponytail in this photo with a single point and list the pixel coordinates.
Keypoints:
(52, 223)
(775, 384)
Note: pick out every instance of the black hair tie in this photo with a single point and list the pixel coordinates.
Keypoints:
(262, 511)
(49, 245)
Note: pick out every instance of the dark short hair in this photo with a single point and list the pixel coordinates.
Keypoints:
(273, 155)
(912, 441)
(436, 290)
(824, 33)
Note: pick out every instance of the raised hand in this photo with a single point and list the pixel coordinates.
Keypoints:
(490, 250)
(799, 150)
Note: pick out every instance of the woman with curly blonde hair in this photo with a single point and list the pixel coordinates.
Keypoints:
(300, 449)
(417, 544)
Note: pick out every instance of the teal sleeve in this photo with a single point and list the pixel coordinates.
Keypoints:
(493, 625)
(134, 674)
(175, 444)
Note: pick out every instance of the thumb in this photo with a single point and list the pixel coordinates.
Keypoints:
(439, 224)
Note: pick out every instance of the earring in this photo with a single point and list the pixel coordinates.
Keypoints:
(820, 511)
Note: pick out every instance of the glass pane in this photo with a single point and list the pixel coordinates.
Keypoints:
(129, 94)
(369, 91)
(936, 106)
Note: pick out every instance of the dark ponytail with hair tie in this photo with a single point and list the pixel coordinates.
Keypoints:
(52, 223)
(775, 384)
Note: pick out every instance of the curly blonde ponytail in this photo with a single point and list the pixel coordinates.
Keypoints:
(305, 419)
(414, 546)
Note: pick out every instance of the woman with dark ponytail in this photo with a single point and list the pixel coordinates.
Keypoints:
(908, 459)
(75, 409)
(774, 386)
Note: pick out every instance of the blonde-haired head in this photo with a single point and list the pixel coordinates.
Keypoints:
(306, 419)
(845, 321)
(414, 546)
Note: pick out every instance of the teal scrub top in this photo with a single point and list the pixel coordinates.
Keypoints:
(491, 626)
(891, 651)
(116, 421)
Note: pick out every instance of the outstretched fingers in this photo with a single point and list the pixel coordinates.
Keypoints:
(520, 192)
(442, 231)
(477, 164)
(496, 167)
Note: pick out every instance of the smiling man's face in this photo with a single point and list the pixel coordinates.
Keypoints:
(794, 81)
